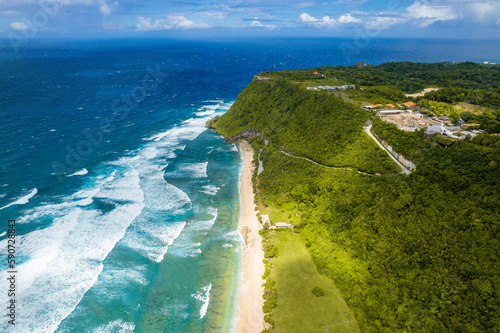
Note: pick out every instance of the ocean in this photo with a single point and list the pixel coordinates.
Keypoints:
(126, 208)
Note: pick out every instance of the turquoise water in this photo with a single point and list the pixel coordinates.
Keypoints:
(174, 261)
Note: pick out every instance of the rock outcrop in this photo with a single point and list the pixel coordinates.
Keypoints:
(245, 134)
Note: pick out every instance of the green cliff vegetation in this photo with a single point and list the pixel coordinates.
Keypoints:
(406, 76)
(415, 253)
(315, 125)
(476, 84)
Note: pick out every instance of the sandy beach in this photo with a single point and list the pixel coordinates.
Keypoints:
(250, 293)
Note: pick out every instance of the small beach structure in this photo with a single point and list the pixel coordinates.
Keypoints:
(316, 73)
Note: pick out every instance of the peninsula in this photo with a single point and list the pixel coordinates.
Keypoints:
(377, 195)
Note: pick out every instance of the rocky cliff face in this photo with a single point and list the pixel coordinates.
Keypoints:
(245, 134)
(407, 163)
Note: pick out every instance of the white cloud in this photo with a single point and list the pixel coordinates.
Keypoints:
(19, 26)
(104, 7)
(216, 14)
(260, 25)
(11, 13)
(325, 21)
(347, 18)
(383, 23)
(486, 12)
(72, 2)
(304, 17)
(222, 11)
(370, 21)
(305, 4)
(171, 22)
(428, 14)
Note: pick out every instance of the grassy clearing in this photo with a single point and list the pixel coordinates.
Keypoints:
(345, 96)
(298, 309)
(476, 109)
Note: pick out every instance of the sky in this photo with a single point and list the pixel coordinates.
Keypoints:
(262, 18)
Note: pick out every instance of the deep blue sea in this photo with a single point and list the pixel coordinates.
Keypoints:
(126, 207)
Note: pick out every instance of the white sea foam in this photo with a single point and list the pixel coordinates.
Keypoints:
(203, 296)
(117, 326)
(210, 189)
(188, 245)
(205, 113)
(43, 246)
(79, 173)
(85, 202)
(65, 258)
(82, 197)
(153, 240)
(207, 110)
(188, 121)
(234, 235)
(188, 249)
(206, 226)
(156, 137)
(188, 130)
(227, 245)
(23, 200)
(150, 152)
(111, 177)
(3, 234)
(166, 235)
(162, 195)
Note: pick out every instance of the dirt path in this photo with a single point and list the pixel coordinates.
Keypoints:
(326, 166)
(422, 93)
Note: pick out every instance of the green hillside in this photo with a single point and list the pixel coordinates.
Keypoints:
(414, 253)
(315, 125)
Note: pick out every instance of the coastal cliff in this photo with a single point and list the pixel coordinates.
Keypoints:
(402, 253)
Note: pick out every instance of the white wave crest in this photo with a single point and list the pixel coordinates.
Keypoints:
(189, 170)
(203, 296)
(23, 200)
(79, 173)
(210, 189)
(117, 326)
(65, 258)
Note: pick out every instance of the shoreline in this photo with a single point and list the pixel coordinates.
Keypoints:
(250, 291)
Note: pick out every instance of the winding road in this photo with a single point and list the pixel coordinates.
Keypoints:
(367, 129)
(369, 132)
(326, 166)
